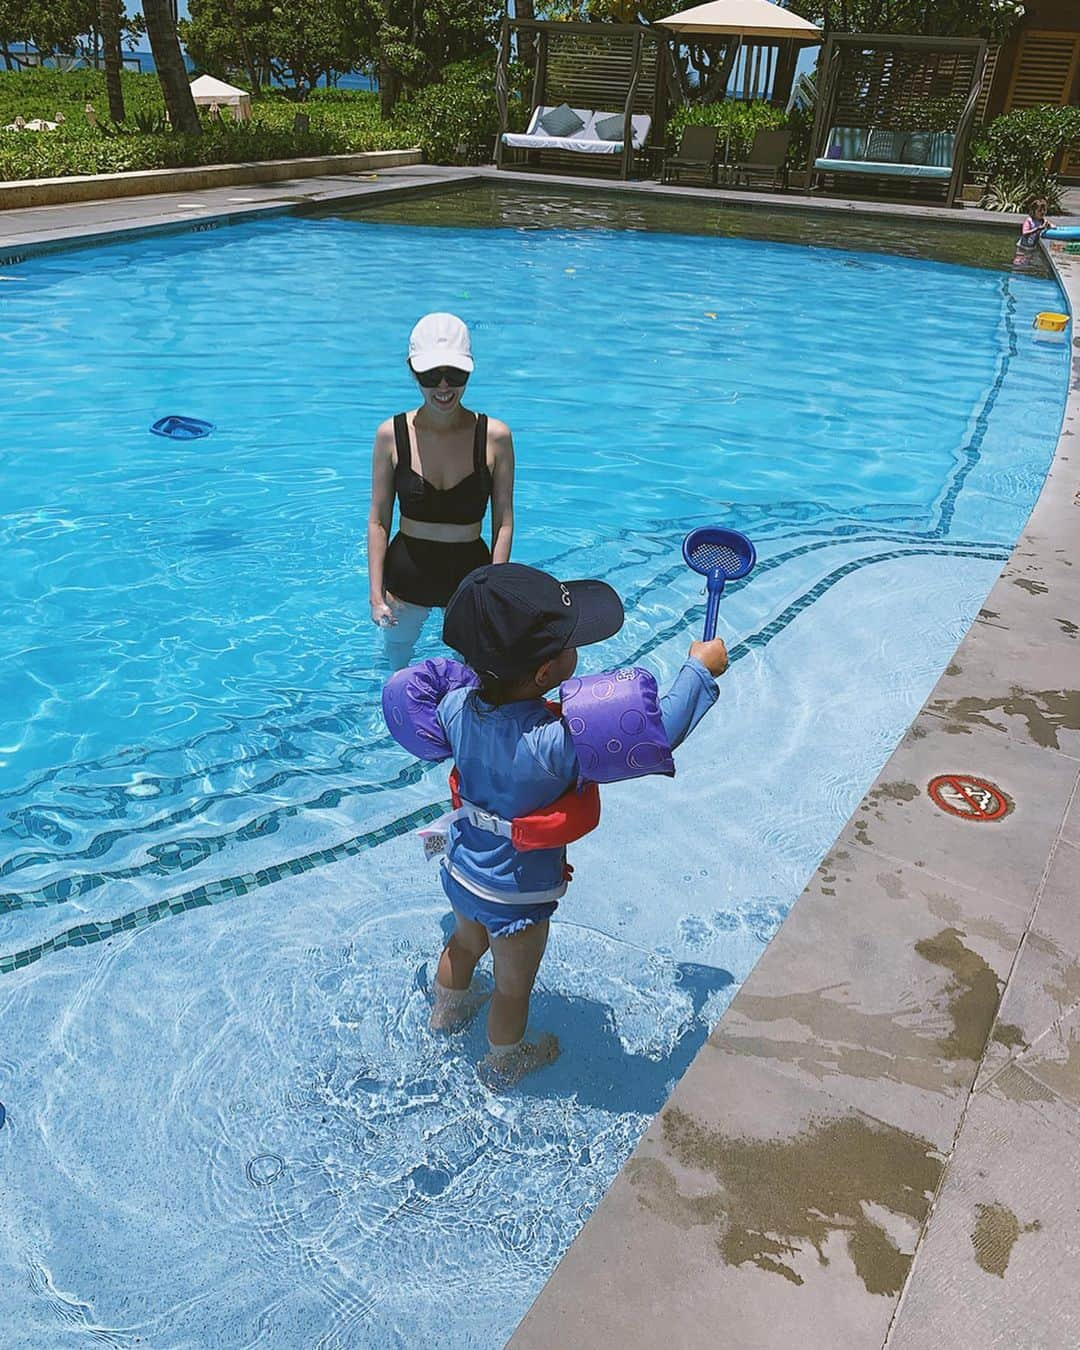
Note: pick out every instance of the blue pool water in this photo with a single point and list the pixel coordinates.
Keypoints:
(226, 1121)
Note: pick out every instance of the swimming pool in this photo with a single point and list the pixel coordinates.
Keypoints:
(226, 1121)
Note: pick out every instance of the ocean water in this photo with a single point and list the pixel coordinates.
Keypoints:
(226, 1121)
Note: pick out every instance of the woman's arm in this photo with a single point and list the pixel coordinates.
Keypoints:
(379, 519)
(501, 444)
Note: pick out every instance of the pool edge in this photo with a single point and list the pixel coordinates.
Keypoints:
(875, 1099)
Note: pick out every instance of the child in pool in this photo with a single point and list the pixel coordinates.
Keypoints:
(1031, 232)
(519, 629)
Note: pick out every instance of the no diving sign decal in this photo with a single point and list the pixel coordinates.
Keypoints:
(970, 798)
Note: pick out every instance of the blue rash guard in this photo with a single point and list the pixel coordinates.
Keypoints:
(516, 759)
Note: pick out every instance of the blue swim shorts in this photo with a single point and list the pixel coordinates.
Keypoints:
(500, 920)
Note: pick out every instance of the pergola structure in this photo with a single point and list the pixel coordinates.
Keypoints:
(892, 107)
(619, 68)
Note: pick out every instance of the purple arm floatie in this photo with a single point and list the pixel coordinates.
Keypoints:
(614, 719)
(616, 726)
(410, 701)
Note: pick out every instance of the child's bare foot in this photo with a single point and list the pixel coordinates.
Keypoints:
(504, 1066)
(454, 1008)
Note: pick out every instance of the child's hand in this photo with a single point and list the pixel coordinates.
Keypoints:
(712, 655)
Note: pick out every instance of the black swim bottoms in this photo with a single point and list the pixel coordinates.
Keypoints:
(426, 572)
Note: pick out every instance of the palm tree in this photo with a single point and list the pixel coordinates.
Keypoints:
(165, 45)
(109, 16)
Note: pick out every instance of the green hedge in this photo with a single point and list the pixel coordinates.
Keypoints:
(344, 125)
(739, 121)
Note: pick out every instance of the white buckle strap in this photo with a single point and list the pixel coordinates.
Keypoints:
(435, 835)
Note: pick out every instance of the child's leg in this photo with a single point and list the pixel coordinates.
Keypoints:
(517, 959)
(455, 1003)
(468, 943)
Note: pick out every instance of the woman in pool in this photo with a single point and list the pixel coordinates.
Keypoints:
(444, 463)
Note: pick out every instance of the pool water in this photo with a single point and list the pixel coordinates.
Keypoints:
(226, 1120)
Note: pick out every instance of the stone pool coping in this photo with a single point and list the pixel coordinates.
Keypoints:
(878, 1141)
(139, 182)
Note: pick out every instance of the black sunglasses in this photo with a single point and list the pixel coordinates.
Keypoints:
(431, 379)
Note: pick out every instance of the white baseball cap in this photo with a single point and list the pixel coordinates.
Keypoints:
(440, 340)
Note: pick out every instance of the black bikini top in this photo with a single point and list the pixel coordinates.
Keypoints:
(463, 504)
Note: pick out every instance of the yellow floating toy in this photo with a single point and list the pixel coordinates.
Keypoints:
(1050, 327)
(1048, 322)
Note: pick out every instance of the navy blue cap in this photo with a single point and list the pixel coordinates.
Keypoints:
(506, 619)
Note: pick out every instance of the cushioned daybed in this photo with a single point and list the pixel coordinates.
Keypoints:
(889, 154)
(583, 131)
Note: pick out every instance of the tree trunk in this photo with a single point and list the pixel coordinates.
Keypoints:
(525, 9)
(109, 22)
(165, 45)
(389, 88)
(245, 50)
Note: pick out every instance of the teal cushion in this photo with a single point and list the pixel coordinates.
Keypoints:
(942, 145)
(561, 121)
(846, 143)
(881, 169)
(916, 148)
(611, 128)
(884, 147)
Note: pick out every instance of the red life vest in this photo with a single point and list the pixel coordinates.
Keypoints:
(569, 818)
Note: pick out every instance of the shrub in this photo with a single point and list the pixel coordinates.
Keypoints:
(1014, 152)
(737, 121)
(1016, 195)
(456, 121)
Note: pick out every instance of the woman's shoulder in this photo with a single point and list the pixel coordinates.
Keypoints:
(498, 435)
(384, 435)
(497, 428)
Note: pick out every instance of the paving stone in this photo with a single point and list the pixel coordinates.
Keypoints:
(998, 1266)
(1014, 685)
(755, 1213)
(883, 990)
(1006, 857)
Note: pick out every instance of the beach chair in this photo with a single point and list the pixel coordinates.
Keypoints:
(696, 155)
(767, 158)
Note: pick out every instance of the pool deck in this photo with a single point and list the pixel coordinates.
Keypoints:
(880, 1142)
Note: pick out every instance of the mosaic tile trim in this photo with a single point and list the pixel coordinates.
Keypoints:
(179, 855)
(227, 888)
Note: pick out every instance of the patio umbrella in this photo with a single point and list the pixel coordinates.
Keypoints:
(743, 18)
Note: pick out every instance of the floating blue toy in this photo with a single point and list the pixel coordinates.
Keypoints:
(1065, 233)
(720, 556)
(182, 428)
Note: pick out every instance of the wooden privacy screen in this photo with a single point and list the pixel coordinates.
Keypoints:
(904, 90)
(590, 73)
(1045, 70)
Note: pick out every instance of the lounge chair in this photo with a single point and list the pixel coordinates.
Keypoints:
(696, 154)
(767, 158)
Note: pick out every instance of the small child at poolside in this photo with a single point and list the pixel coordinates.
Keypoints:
(1031, 232)
(519, 629)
